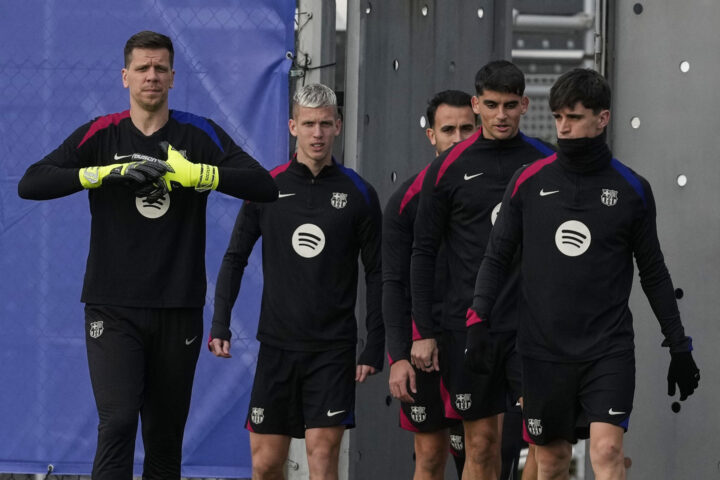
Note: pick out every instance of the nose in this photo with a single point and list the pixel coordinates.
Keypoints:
(502, 113)
(562, 125)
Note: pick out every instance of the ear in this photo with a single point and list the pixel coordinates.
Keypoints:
(603, 119)
(172, 78)
(475, 102)
(292, 126)
(430, 133)
(124, 73)
(524, 104)
(338, 126)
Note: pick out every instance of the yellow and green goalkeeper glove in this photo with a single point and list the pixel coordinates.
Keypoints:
(145, 170)
(184, 173)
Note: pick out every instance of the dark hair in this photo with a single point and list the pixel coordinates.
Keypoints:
(580, 85)
(150, 40)
(500, 76)
(454, 98)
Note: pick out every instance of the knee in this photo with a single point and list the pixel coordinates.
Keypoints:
(430, 460)
(482, 448)
(322, 453)
(267, 466)
(606, 451)
(553, 461)
(119, 424)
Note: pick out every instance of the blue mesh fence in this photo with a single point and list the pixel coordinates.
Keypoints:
(60, 67)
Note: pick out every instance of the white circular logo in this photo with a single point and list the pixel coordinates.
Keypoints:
(308, 240)
(153, 210)
(572, 238)
(495, 212)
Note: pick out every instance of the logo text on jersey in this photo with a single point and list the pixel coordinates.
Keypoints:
(338, 200)
(543, 193)
(308, 240)
(332, 413)
(615, 412)
(155, 209)
(189, 341)
(470, 177)
(120, 157)
(283, 195)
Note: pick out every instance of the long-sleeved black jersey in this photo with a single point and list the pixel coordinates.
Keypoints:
(398, 232)
(311, 239)
(141, 254)
(578, 232)
(459, 201)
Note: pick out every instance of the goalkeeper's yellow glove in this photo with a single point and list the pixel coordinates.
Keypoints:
(184, 173)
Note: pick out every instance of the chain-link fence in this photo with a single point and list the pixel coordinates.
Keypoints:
(60, 67)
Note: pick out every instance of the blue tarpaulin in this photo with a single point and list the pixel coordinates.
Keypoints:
(60, 66)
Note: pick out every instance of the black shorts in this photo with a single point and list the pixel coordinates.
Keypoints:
(562, 399)
(294, 391)
(474, 396)
(427, 414)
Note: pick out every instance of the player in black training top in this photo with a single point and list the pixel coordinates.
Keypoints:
(579, 217)
(144, 286)
(325, 217)
(450, 120)
(459, 201)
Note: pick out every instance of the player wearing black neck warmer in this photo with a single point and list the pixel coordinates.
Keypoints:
(579, 217)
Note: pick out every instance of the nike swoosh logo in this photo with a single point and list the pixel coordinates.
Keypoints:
(188, 342)
(470, 177)
(543, 193)
(614, 412)
(283, 195)
(330, 413)
(120, 157)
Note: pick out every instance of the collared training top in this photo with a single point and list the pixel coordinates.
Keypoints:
(311, 239)
(578, 232)
(142, 254)
(459, 202)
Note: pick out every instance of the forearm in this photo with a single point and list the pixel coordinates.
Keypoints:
(396, 314)
(254, 184)
(422, 277)
(45, 182)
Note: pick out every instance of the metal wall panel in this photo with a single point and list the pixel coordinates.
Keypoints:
(400, 53)
(677, 122)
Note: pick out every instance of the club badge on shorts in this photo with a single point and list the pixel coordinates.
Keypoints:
(257, 415)
(534, 426)
(96, 329)
(463, 401)
(457, 442)
(418, 414)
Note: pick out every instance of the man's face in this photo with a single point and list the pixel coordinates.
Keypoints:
(580, 122)
(315, 129)
(149, 77)
(452, 125)
(499, 113)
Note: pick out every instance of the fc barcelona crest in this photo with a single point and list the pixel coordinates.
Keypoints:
(96, 329)
(463, 401)
(609, 197)
(418, 414)
(457, 442)
(257, 415)
(534, 426)
(338, 200)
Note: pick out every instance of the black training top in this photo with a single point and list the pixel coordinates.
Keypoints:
(398, 232)
(579, 226)
(311, 239)
(141, 254)
(459, 201)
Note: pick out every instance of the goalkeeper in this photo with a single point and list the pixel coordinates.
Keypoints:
(148, 172)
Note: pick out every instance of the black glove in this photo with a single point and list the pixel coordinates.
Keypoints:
(142, 171)
(684, 373)
(479, 349)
